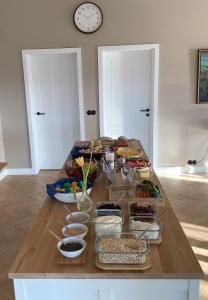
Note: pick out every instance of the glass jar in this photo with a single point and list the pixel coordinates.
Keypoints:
(84, 202)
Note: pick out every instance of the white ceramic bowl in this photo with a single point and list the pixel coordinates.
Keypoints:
(71, 254)
(75, 225)
(71, 217)
(69, 197)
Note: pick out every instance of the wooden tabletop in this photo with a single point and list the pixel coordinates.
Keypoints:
(39, 257)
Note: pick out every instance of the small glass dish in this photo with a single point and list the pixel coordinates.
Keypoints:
(108, 220)
(75, 229)
(139, 223)
(142, 208)
(78, 217)
(125, 249)
(143, 173)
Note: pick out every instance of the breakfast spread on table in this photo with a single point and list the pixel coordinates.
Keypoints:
(131, 183)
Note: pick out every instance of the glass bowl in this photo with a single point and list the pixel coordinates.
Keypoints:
(108, 220)
(139, 223)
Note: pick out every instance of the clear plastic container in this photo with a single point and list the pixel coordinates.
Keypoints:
(147, 188)
(143, 173)
(125, 249)
(139, 223)
(116, 193)
(108, 221)
(142, 208)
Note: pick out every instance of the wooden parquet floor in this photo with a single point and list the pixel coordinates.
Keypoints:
(20, 200)
(188, 195)
(22, 196)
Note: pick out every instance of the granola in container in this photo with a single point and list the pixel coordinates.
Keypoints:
(126, 249)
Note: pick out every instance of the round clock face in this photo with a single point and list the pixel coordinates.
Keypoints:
(88, 17)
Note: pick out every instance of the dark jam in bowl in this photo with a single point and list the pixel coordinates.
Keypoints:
(71, 247)
(137, 209)
(147, 219)
(109, 206)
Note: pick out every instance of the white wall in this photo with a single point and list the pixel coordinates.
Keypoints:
(180, 27)
(2, 156)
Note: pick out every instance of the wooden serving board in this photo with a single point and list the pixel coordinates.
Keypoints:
(130, 267)
(80, 260)
(156, 242)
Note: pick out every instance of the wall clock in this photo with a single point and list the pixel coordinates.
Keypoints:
(88, 17)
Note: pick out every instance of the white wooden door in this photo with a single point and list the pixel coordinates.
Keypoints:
(55, 106)
(126, 81)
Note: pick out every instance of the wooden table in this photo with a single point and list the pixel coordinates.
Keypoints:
(37, 275)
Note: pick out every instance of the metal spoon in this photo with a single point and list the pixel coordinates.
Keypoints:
(138, 238)
(55, 235)
(61, 223)
(160, 215)
(142, 234)
(66, 208)
(122, 196)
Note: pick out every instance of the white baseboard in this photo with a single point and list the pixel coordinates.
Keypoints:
(3, 174)
(6, 172)
(28, 171)
(182, 170)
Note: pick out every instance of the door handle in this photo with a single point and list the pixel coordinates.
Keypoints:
(91, 112)
(39, 113)
(146, 110)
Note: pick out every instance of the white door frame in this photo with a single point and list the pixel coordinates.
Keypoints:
(30, 113)
(154, 104)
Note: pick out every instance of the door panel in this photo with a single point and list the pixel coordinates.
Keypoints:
(55, 92)
(106, 289)
(127, 89)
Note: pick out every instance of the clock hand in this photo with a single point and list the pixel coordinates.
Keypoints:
(87, 19)
(90, 16)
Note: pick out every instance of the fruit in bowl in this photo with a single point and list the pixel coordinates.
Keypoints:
(86, 152)
(73, 170)
(67, 190)
(138, 163)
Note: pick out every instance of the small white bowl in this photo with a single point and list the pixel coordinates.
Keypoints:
(75, 225)
(69, 197)
(77, 214)
(71, 254)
